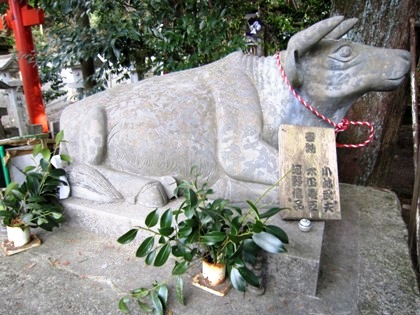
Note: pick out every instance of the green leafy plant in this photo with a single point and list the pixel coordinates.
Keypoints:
(34, 203)
(202, 229)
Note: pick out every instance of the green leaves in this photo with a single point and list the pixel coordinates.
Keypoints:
(5, 214)
(163, 294)
(165, 223)
(213, 237)
(157, 303)
(39, 149)
(192, 198)
(59, 137)
(269, 242)
(27, 218)
(270, 213)
(185, 231)
(145, 307)
(150, 257)
(180, 268)
(163, 255)
(277, 232)
(254, 208)
(185, 34)
(166, 219)
(167, 231)
(12, 186)
(122, 305)
(65, 157)
(145, 247)
(237, 280)
(140, 293)
(35, 202)
(158, 296)
(240, 275)
(128, 237)
(201, 228)
(57, 215)
(29, 168)
(179, 288)
(152, 219)
(57, 172)
(249, 277)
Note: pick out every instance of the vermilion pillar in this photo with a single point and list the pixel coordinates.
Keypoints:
(20, 18)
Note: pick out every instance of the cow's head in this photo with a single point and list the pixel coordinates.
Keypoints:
(327, 69)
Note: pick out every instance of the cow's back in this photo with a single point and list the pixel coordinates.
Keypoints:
(157, 126)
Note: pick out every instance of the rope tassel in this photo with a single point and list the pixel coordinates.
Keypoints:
(340, 127)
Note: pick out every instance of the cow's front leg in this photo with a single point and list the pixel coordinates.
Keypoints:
(242, 153)
(238, 192)
(103, 184)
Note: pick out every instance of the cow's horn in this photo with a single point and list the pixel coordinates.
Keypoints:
(302, 41)
(342, 29)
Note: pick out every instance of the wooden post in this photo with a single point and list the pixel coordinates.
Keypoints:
(21, 17)
(413, 225)
(414, 94)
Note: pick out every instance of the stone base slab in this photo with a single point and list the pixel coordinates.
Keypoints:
(294, 271)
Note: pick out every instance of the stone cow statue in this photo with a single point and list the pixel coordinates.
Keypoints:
(223, 117)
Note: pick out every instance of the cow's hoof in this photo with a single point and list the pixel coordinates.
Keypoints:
(169, 185)
(152, 195)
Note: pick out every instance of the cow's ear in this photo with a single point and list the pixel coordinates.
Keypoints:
(302, 42)
(342, 29)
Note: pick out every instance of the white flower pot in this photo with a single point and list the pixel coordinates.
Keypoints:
(213, 273)
(18, 236)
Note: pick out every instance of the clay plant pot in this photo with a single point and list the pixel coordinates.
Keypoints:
(19, 236)
(214, 274)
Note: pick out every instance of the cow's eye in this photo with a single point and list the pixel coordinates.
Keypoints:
(344, 54)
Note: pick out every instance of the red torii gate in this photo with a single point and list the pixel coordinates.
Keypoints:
(20, 18)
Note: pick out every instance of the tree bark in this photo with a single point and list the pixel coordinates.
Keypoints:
(88, 65)
(382, 23)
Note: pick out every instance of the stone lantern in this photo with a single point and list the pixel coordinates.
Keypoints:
(10, 81)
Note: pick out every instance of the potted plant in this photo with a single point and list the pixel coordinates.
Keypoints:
(34, 203)
(204, 231)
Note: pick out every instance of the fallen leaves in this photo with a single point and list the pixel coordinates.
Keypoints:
(55, 262)
(30, 266)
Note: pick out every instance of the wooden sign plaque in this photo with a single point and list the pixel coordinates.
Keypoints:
(310, 189)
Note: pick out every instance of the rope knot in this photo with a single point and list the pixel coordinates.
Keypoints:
(342, 126)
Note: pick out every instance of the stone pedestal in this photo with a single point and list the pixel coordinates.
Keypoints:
(294, 271)
(298, 269)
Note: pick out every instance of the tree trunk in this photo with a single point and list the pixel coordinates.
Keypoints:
(88, 70)
(140, 63)
(382, 23)
(88, 66)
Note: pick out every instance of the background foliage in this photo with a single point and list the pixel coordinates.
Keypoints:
(120, 36)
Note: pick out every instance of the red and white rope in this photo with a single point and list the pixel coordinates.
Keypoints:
(342, 126)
